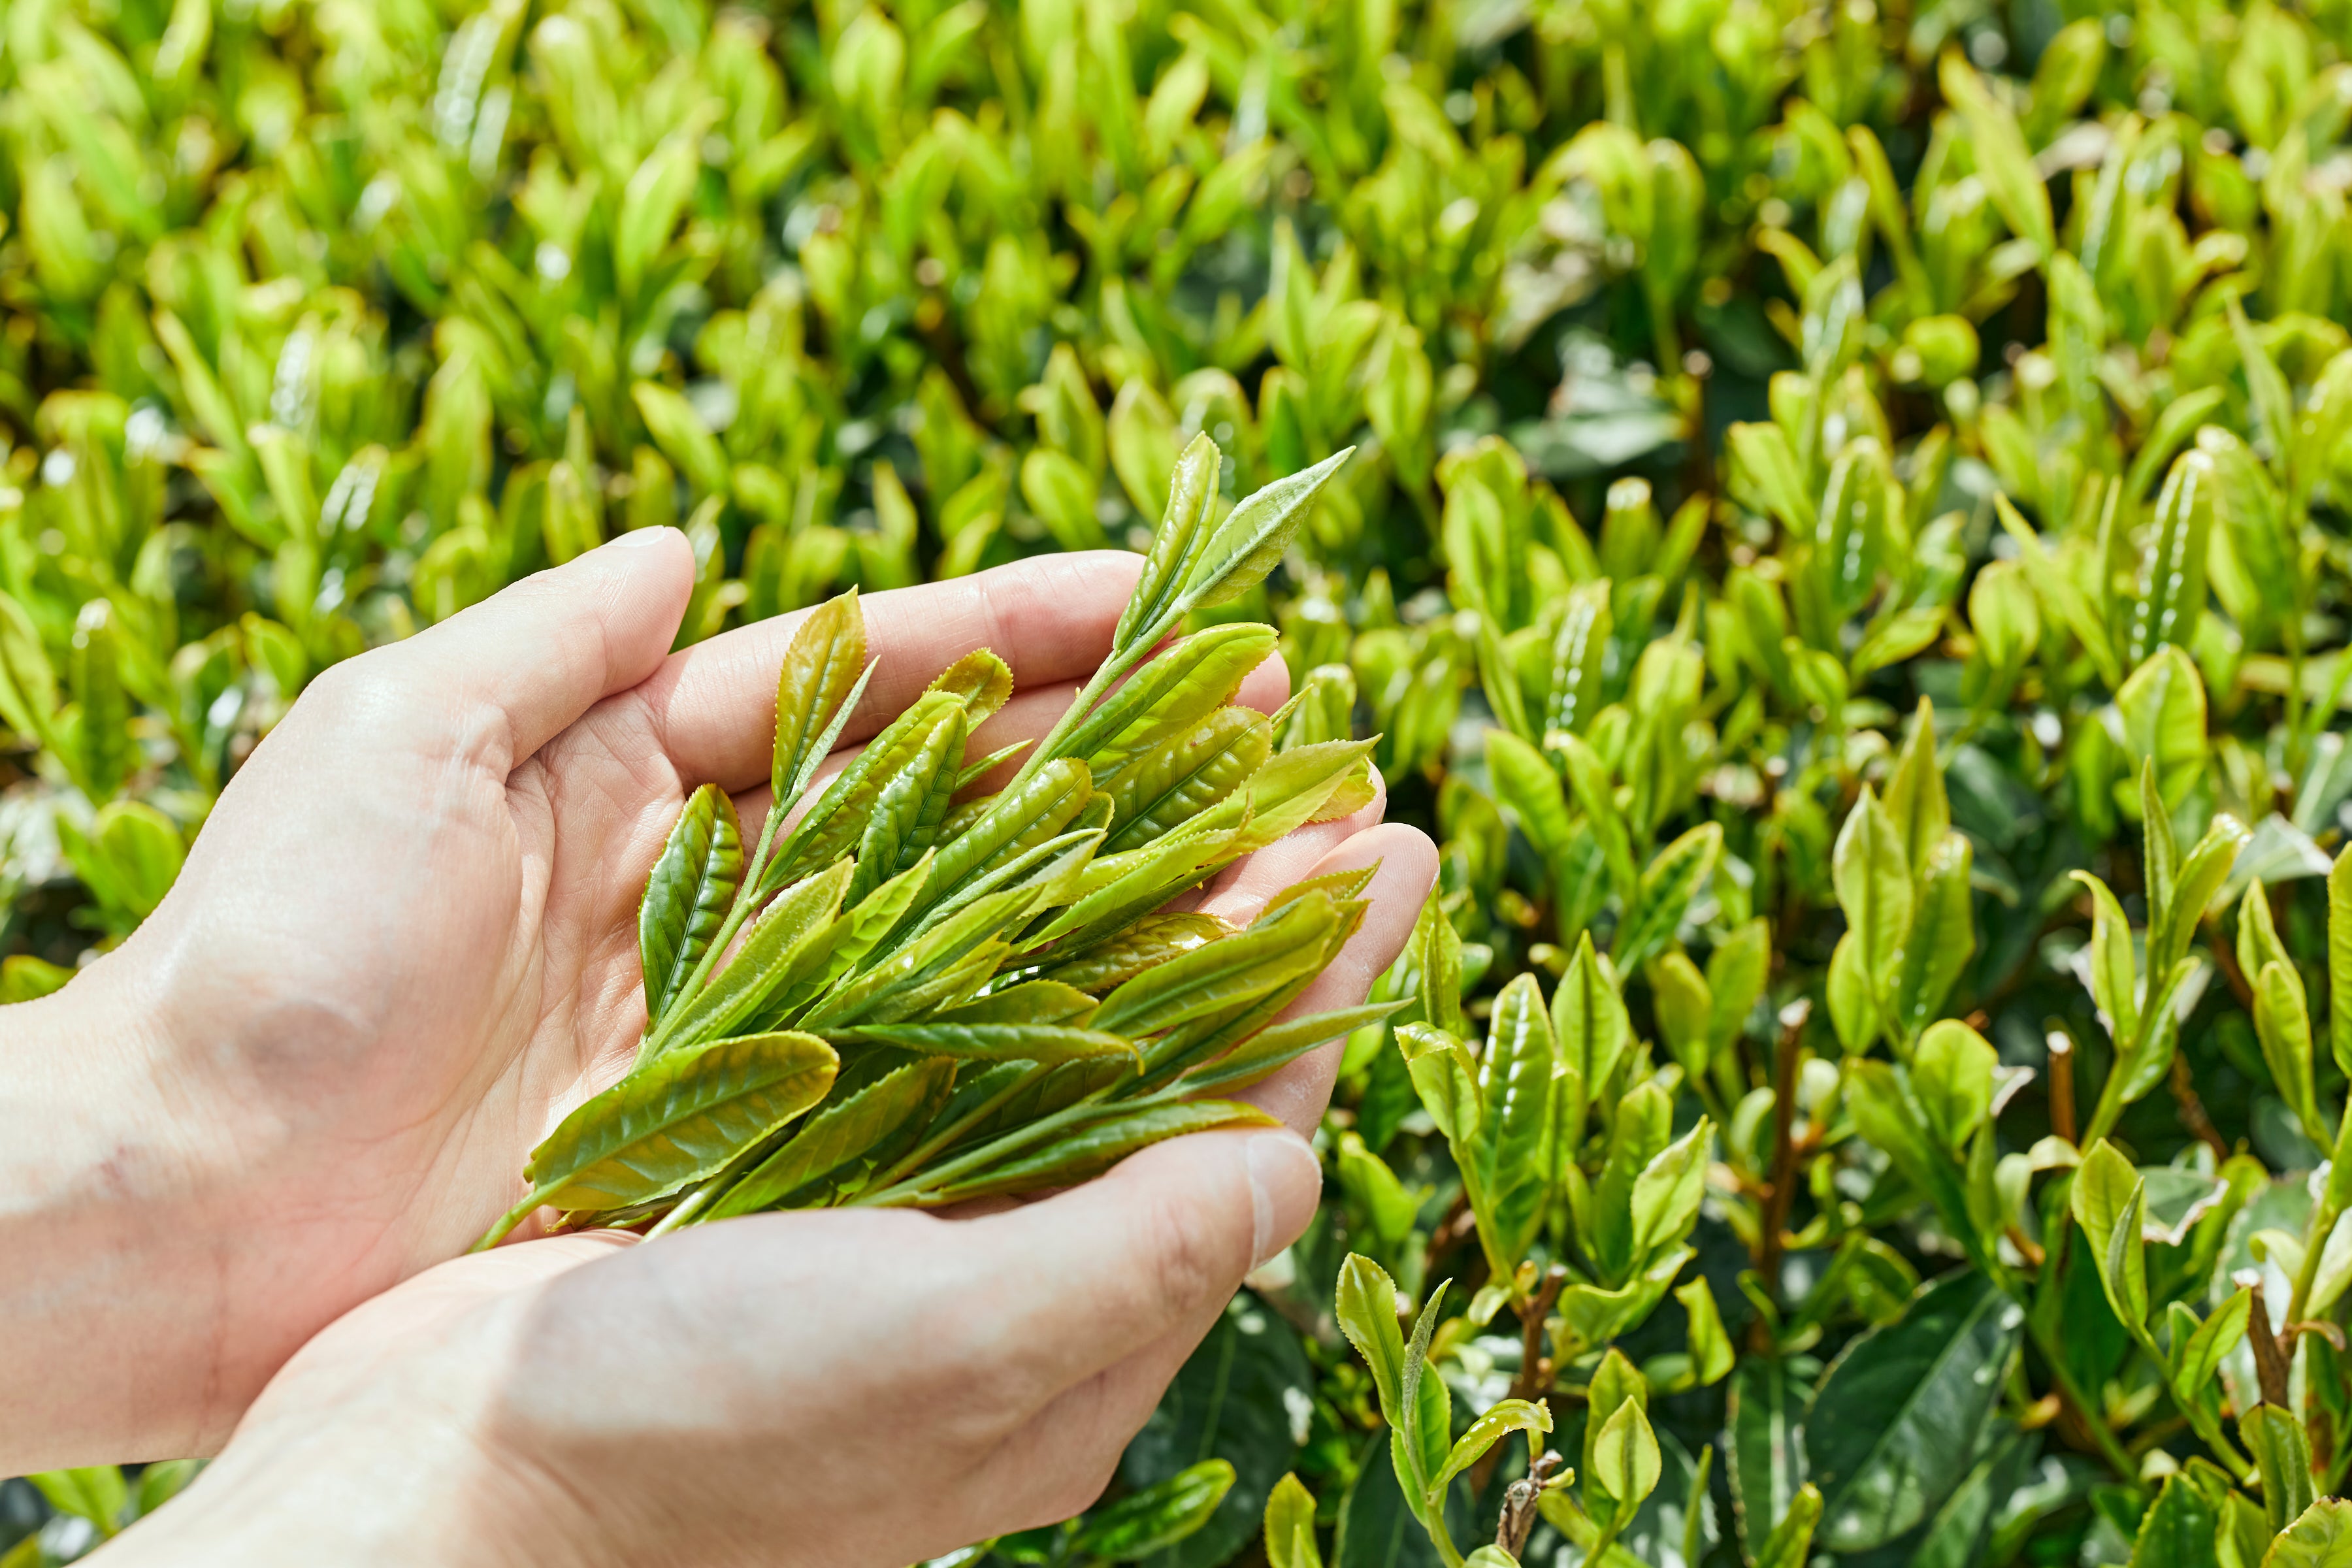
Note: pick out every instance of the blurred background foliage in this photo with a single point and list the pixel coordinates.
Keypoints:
(1827, 474)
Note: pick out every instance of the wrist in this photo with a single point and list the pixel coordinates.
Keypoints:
(123, 1204)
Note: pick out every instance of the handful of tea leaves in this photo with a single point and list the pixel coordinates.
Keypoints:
(906, 1000)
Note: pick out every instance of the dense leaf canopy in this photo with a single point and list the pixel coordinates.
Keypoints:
(1846, 549)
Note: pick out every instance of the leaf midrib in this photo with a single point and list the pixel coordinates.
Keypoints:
(1833, 1501)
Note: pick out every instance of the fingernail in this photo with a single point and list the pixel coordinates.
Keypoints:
(639, 538)
(1286, 1183)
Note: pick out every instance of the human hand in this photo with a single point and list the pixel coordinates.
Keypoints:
(403, 947)
(837, 1387)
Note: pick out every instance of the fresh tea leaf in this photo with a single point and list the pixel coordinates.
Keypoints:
(842, 1131)
(1250, 542)
(1147, 944)
(785, 944)
(678, 1119)
(1161, 788)
(1095, 1149)
(687, 896)
(823, 663)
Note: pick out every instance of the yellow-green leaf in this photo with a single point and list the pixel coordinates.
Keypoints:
(678, 1119)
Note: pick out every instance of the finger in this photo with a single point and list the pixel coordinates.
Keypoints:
(1166, 1235)
(506, 675)
(1268, 686)
(1049, 617)
(1058, 1462)
(1408, 869)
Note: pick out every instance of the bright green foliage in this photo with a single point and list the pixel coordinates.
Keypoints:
(1844, 548)
(883, 977)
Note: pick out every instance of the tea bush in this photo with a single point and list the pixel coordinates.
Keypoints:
(1847, 553)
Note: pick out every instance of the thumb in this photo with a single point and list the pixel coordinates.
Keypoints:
(1134, 1253)
(520, 667)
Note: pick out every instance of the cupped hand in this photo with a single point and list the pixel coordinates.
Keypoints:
(404, 946)
(845, 1388)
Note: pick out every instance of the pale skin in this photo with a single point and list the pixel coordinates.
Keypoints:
(239, 1155)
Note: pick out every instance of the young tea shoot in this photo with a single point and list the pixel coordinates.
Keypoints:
(913, 995)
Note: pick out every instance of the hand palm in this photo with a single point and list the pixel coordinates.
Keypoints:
(406, 943)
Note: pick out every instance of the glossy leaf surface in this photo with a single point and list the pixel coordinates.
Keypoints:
(678, 1119)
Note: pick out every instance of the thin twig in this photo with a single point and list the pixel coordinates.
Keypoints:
(2192, 1109)
(2061, 1084)
(2270, 1357)
(1784, 1148)
(1535, 1374)
(2225, 958)
(694, 1204)
(1458, 1225)
(2071, 1397)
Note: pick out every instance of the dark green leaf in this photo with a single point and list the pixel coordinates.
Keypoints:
(1378, 1526)
(1766, 1432)
(1892, 1428)
(1238, 1399)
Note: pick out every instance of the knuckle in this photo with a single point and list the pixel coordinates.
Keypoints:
(1189, 1262)
(344, 691)
(1076, 1492)
(975, 1343)
(1051, 1487)
(1003, 1389)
